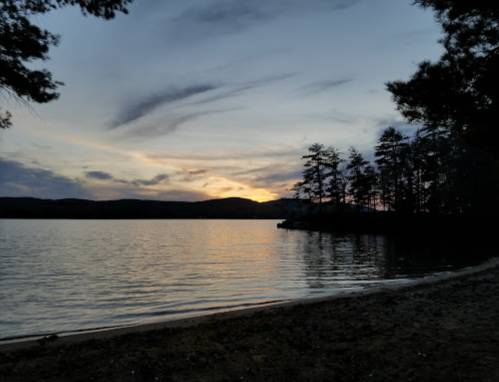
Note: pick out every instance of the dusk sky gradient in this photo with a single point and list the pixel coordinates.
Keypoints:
(202, 99)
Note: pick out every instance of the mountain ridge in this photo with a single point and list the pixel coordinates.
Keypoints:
(73, 208)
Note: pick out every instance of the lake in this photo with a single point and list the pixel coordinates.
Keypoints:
(61, 276)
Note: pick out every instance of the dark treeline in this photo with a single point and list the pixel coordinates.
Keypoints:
(230, 208)
(431, 172)
(450, 166)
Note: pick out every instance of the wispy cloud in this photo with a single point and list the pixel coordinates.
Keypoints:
(322, 86)
(186, 112)
(234, 16)
(221, 17)
(194, 175)
(251, 171)
(205, 93)
(161, 178)
(18, 180)
(239, 89)
(231, 154)
(277, 177)
(344, 4)
(141, 107)
(169, 124)
(100, 175)
(341, 117)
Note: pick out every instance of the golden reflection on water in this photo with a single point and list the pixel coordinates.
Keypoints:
(68, 275)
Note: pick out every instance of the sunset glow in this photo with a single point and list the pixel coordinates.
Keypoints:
(195, 107)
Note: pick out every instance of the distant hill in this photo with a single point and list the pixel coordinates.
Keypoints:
(230, 208)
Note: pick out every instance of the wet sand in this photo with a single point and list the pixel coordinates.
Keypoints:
(438, 329)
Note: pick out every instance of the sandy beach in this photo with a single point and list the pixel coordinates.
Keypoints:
(438, 329)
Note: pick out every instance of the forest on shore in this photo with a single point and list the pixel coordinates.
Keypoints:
(432, 172)
(448, 169)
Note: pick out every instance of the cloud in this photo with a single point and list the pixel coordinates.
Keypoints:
(19, 180)
(225, 155)
(344, 4)
(170, 124)
(340, 116)
(193, 175)
(234, 16)
(276, 180)
(227, 189)
(321, 86)
(244, 87)
(221, 17)
(161, 178)
(196, 172)
(224, 95)
(175, 118)
(251, 171)
(122, 181)
(140, 108)
(100, 175)
(274, 177)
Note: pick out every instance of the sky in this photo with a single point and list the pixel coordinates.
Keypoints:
(192, 100)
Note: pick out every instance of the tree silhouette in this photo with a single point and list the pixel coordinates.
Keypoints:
(22, 42)
(460, 92)
(433, 171)
(335, 188)
(5, 120)
(315, 173)
(390, 154)
(371, 180)
(359, 182)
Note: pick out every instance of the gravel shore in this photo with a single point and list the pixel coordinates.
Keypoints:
(443, 330)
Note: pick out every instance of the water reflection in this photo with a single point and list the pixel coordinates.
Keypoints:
(67, 275)
(331, 260)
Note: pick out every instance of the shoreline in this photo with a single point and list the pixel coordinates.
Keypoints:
(443, 328)
(109, 332)
(22, 342)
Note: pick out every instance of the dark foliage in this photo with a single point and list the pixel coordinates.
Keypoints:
(450, 165)
(460, 92)
(22, 42)
(433, 171)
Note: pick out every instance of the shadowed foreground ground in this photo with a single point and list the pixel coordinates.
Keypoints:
(447, 331)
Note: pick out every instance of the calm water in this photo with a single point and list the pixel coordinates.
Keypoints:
(66, 275)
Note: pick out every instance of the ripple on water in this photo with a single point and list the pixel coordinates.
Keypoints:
(63, 276)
